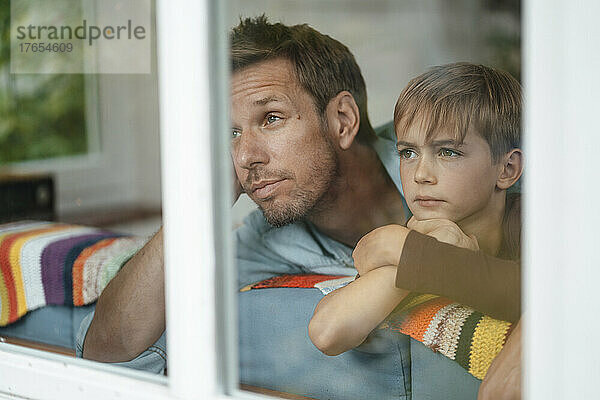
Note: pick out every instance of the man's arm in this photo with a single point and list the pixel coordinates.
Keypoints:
(344, 318)
(130, 313)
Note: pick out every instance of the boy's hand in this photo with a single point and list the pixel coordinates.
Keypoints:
(445, 231)
(380, 247)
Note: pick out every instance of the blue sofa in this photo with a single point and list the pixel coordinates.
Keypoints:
(276, 353)
(387, 367)
(52, 325)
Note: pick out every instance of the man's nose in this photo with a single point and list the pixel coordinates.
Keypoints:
(425, 172)
(250, 151)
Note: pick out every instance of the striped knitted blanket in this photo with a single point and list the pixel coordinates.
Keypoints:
(458, 332)
(44, 263)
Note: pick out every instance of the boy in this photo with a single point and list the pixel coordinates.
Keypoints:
(458, 130)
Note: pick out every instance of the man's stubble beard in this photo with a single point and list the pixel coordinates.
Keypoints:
(305, 202)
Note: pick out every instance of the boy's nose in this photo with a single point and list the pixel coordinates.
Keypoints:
(425, 174)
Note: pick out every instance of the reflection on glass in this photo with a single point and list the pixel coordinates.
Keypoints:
(68, 224)
(42, 116)
(329, 187)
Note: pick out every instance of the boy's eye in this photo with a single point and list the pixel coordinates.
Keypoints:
(448, 153)
(407, 154)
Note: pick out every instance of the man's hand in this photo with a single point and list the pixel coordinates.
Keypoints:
(503, 379)
(237, 187)
(445, 231)
(380, 247)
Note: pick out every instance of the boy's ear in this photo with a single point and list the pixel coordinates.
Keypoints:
(343, 119)
(511, 169)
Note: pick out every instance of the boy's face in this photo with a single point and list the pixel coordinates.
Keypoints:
(445, 179)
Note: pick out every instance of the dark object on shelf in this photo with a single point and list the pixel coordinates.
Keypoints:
(26, 197)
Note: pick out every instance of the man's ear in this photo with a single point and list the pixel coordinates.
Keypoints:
(343, 119)
(511, 169)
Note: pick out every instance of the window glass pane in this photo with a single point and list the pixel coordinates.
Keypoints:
(43, 116)
(319, 192)
(69, 224)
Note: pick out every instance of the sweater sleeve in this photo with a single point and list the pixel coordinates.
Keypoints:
(488, 284)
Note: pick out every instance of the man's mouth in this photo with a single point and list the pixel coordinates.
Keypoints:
(428, 201)
(264, 189)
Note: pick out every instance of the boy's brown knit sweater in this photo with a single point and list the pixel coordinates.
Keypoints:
(491, 285)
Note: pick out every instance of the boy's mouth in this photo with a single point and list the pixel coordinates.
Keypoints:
(428, 201)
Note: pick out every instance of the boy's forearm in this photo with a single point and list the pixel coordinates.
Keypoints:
(488, 284)
(130, 313)
(344, 318)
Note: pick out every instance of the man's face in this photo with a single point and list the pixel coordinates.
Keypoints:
(445, 179)
(280, 150)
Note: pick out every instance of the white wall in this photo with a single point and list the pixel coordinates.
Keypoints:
(392, 40)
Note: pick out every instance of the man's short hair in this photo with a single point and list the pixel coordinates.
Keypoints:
(454, 96)
(323, 66)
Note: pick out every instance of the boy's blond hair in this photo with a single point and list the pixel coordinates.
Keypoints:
(454, 96)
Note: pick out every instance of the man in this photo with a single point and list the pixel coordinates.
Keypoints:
(305, 152)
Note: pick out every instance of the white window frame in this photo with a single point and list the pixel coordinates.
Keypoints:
(196, 172)
(562, 217)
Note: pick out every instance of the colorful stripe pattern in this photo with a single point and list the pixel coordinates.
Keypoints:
(460, 333)
(291, 281)
(45, 263)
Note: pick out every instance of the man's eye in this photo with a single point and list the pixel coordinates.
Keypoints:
(407, 154)
(235, 134)
(448, 153)
(272, 118)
